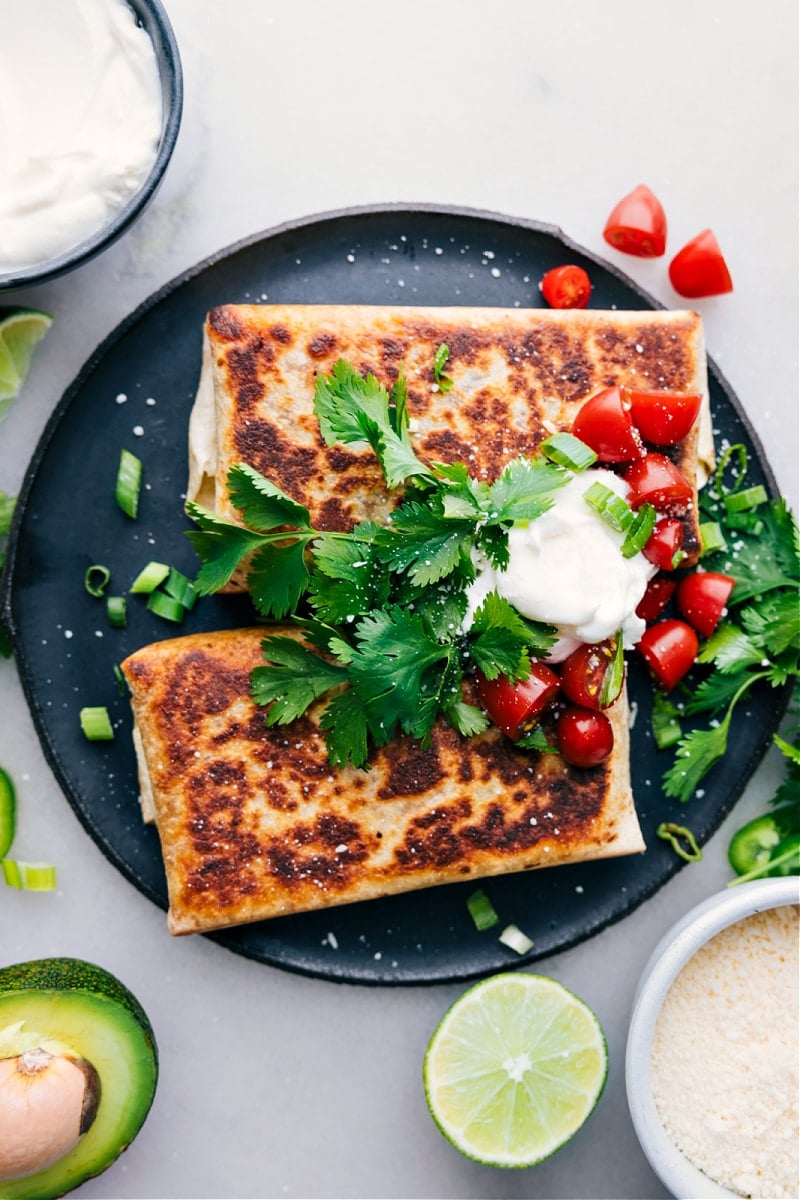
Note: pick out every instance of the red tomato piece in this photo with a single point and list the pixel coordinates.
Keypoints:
(699, 269)
(638, 224)
(702, 597)
(656, 480)
(605, 424)
(566, 287)
(516, 707)
(669, 648)
(584, 737)
(657, 596)
(663, 547)
(584, 673)
(663, 418)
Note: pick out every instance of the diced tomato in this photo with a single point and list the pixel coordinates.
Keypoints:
(699, 269)
(657, 596)
(638, 224)
(586, 671)
(656, 480)
(669, 648)
(663, 547)
(566, 287)
(584, 737)
(663, 418)
(605, 424)
(516, 707)
(702, 597)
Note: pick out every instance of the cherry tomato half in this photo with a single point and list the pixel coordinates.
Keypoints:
(699, 268)
(585, 672)
(663, 418)
(702, 597)
(657, 596)
(566, 287)
(656, 480)
(663, 547)
(638, 224)
(516, 707)
(669, 648)
(584, 737)
(605, 424)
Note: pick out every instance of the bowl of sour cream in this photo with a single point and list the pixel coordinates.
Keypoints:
(712, 1056)
(90, 109)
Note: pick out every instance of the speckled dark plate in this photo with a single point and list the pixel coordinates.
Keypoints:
(67, 519)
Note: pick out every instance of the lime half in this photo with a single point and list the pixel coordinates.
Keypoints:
(21, 329)
(514, 1069)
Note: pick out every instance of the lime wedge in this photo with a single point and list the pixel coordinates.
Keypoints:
(514, 1069)
(21, 329)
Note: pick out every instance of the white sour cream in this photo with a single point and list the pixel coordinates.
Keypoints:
(566, 568)
(80, 121)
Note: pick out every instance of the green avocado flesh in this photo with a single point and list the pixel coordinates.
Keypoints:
(94, 1016)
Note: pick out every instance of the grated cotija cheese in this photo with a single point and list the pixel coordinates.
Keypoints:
(725, 1057)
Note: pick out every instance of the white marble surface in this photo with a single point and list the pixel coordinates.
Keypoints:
(274, 1085)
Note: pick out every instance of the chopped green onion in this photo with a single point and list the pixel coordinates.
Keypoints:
(615, 511)
(8, 812)
(664, 722)
(481, 910)
(515, 939)
(166, 606)
(681, 839)
(32, 876)
(121, 681)
(749, 521)
(117, 611)
(96, 724)
(181, 589)
(613, 677)
(129, 483)
(711, 538)
(750, 497)
(149, 578)
(639, 533)
(568, 451)
(96, 579)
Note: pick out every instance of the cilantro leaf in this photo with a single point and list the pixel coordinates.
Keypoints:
(278, 578)
(424, 543)
(695, 756)
(775, 623)
(263, 505)
(524, 490)
(466, 719)
(500, 639)
(759, 564)
(730, 650)
(347, 578)
(439, 359)
(292, 679)
(346, 727)
(220, 546)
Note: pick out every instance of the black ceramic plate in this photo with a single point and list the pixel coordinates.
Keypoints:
(137, 391)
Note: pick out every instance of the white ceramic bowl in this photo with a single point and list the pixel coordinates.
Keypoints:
(679, 944)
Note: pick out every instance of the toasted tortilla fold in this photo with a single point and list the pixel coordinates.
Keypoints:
(254, 823)
(518, 376)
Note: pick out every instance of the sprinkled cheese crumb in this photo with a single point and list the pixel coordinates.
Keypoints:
(725, 1055)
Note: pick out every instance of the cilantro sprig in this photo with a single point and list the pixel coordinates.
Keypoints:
(759, 641)
(381, 609)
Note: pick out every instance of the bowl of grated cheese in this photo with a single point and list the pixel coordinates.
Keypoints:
(712, 1055)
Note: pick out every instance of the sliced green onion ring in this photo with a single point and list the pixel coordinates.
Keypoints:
(749, 521)
(513, 937)
(711, 538)
(8, 812)
(568, 451)
(664, 722)
(96, 724)
(639, 532)
(615, 511)
(117, 611)
(96, 579)
(750, 497)
(166, 606)
(181, 589)
(482, 910)
(149, 578)
(129, 483)
(681, 839)
(121, 681)
(30, 876)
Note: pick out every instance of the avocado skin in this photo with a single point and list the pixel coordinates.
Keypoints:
(65, 982)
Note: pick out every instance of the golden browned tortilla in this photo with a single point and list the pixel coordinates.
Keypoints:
(518, 376)
(255, 823)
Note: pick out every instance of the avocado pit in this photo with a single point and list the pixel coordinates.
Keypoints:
(48, 1101)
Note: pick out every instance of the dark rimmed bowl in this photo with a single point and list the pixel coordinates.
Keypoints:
(151, 16)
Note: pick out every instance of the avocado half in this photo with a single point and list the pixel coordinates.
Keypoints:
(78, 1012)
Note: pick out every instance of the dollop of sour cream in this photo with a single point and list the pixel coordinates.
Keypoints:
(80, 122)
(566, 569)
